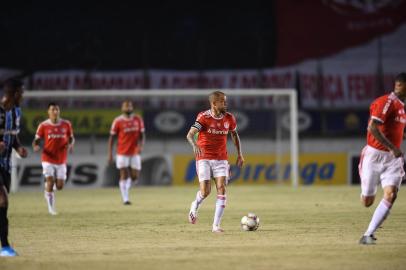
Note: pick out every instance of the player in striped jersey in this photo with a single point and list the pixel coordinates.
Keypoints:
(10, 115)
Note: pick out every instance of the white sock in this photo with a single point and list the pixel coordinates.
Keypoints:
(123, 189)
(220, 205)
(199, 199)
(128, 183)
(379, 216)
(50, 198)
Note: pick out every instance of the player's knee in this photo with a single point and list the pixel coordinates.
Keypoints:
(134, 176)
(59, 186)
(221, 189)
(367, 201)
(205, 193)
(391, 196)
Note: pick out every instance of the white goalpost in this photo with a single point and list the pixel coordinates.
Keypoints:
(289, 96)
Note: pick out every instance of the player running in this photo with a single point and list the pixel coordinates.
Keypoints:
(129, 128)
(57, 134)
(210, 150)
(10, 116)
(382, 160)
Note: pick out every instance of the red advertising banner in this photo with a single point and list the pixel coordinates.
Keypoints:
(314, 29)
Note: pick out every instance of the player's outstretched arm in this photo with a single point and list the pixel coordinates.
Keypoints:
(191, 139)
(373, 128)
(110, 149)
(236, 140)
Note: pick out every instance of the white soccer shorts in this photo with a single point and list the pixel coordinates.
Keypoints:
(208, 168)
(54, 170)
(128, 161)
(378, 166)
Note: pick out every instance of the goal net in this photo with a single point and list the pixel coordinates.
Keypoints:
(266, 122)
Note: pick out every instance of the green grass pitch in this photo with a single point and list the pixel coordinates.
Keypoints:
(303, 228)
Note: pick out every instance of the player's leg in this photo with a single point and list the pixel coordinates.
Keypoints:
(61, 171)
(204, 174)
(49, 194)
(220, 202)
(49, 172)
(6, 249)
(202, 193)
(3, 215)
(135, 169)
(58, 182)
(123, 163)
(220, 173)
(382, 210)
(369, 175)
(391, 178)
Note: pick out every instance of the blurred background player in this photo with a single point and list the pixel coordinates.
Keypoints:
(58, 138)
(382, 160)
(130, 132)
(10, 115)
(210, 150)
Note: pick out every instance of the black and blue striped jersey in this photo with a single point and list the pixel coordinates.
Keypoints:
(9, 129)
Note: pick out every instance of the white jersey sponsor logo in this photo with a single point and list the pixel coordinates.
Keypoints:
(217, 132)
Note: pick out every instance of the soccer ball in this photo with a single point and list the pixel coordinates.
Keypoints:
(250, 222)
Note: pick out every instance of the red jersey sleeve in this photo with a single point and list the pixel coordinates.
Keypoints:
(200, 122)
(114, 127)
(380, 109)
(40, 131)
(233, 123)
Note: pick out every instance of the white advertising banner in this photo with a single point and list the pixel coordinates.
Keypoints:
(92, 171)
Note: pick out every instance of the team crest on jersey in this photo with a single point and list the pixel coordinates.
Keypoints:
(63, 129)
(226, 125)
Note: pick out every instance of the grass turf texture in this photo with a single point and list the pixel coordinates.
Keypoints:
(306, 228)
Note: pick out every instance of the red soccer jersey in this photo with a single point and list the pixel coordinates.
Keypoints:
(213, 134)
(388, 110)
(56, 139)
(128, 131)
